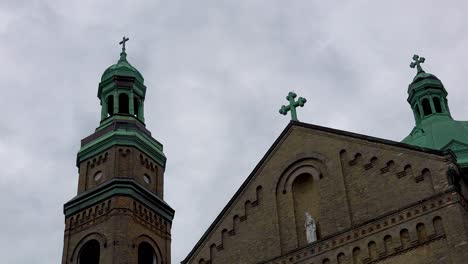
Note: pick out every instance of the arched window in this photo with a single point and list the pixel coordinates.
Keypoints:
(212, 252)
(426, 174)
(437, 106)
(123, 104)
(357, 255)
(408, 170)
(388, 244)
(438, 226)
(89, 253)
(421, 230)
(136, 106)
(259, 194)
(326, 261)
(341, 258)
(110, 105)
(372, 247)
(224, 235)
(404, 238)
(426, 107)
(235, 224)
(146, 254)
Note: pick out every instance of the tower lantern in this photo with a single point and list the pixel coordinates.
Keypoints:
(122, 90)
(426, 94)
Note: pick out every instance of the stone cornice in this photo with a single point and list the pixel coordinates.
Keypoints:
(119, 187)
(123, 137)
(370, 227)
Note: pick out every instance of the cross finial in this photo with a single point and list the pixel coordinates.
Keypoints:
(124, 39)
(292, 105)
(417, 62)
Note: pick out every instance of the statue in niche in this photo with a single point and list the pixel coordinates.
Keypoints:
(311, 228)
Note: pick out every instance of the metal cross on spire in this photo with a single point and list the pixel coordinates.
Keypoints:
(417, 62)
(292, 105)
(124, 39)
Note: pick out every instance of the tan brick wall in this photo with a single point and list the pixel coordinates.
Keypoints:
(121, 162)
(119, 225)
(351, 190)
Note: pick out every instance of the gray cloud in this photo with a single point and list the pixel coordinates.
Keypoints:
(217, 73)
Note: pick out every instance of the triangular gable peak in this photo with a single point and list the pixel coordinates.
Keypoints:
(257, 219)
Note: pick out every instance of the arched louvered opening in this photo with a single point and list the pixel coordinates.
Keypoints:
(89, 253)
(437, 105)
(123, 104)
(426, 107)
(146, 254)
(110, 105)
(136, 106)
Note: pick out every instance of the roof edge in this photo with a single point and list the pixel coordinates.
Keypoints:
(372, 139)
(234, 197)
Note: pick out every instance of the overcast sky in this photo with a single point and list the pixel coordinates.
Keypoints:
(217, 73)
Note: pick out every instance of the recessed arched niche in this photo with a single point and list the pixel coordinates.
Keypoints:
(305, 195)
(298, 202)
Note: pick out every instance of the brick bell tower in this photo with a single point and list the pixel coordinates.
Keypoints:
(119, 215)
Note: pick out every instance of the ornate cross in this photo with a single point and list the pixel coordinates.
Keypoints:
(292, 105)
(124, 39)
(417, 62)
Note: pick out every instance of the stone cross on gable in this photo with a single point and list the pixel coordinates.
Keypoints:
(417, 62)
(292, 105)
(124, 39)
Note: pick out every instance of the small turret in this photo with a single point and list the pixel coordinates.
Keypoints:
(435, 128)
(426, 94)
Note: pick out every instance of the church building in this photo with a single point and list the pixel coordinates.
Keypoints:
(319, 195)
(326, 196)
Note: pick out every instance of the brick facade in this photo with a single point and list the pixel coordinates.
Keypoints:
(373, 201)
(119, 221)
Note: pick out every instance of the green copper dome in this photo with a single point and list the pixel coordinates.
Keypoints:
(122, 68)
(424, 75)
(435, 128)
(423, 80)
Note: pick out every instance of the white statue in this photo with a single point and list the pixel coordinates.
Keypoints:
(311, 228)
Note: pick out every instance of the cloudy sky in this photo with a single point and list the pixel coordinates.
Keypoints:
(217, 73)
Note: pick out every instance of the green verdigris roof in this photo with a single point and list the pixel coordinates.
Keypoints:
(122, 68)
(442, 133)
(436, 129)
